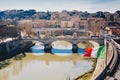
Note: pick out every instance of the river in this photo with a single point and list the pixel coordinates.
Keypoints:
(46, 67)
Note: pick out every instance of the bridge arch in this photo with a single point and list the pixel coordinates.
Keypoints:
(63, 44)
(74, 41)
(84, 44)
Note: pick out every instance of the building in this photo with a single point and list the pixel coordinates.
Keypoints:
(95, 25)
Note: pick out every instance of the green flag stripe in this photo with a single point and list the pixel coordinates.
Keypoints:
(101, 52)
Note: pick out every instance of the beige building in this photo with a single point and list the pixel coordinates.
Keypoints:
(91, 24)
(84, 24)
(64, 24)
(95, 25)
(70, 24)
(108, 30)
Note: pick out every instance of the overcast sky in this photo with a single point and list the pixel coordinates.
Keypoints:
(58, 5)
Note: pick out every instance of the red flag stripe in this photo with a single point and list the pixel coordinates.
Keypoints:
(88, 52)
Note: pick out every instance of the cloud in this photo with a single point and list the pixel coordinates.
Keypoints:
(58, 5)
(110, 6)
(103, 1)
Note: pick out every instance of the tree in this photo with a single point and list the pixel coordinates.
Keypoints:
(100, 14)
(28, 28)
(118, 12)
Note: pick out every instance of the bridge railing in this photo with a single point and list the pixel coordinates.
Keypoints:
(72, 38)
(115, 43)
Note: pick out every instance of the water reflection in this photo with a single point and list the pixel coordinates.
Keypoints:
(38, 48)
(46, 67)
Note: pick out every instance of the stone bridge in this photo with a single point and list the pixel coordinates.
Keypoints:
(71, 40)
(74, 41)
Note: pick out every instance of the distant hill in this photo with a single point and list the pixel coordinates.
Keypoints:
(33, 14)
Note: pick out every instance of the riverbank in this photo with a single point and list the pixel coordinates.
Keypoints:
(12, 48)
(88, 75)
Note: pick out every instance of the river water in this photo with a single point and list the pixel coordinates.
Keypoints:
(46, 67)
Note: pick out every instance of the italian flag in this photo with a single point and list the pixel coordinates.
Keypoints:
(93, 52)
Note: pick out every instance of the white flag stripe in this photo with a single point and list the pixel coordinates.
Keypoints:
(94, 52)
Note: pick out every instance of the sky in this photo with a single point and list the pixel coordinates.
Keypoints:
(59, 5)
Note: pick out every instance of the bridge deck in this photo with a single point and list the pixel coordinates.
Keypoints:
(72, 40)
